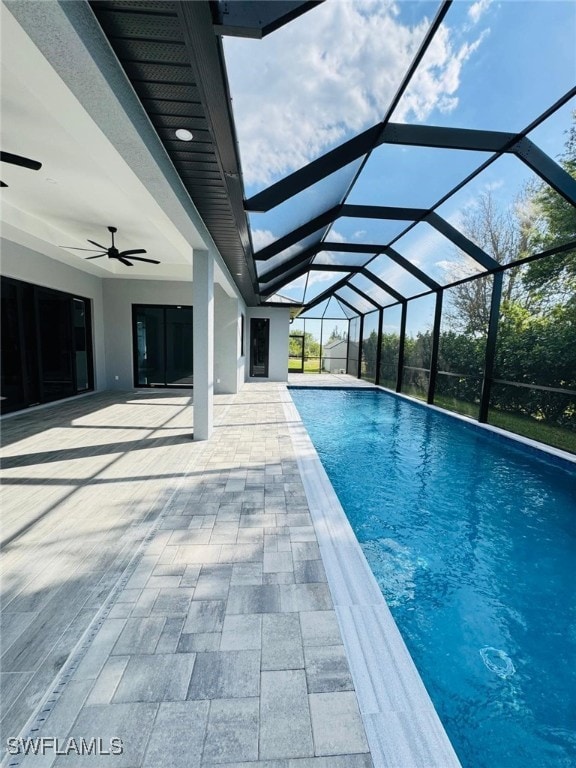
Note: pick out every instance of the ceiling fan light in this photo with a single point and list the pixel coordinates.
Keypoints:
(184, 134)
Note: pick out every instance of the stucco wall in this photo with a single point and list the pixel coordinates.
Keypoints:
(112, 301)
(228, 363)
(278, 352)
(119, 296)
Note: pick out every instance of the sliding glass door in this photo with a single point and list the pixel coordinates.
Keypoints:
(13, 374)
(46, 345)
(163, 348)
(56, 347)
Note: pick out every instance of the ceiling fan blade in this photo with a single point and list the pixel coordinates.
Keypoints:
(123, 261)
(103, 247)
(98, 256)
(2, 184)
(129, 253)
(139, 258)
(25, 162)
(73, 248)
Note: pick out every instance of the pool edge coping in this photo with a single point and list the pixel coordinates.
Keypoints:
(401, 722)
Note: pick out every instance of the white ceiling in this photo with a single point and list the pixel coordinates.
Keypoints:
(84, 184)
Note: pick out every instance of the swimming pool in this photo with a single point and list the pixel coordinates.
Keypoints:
(473, 541)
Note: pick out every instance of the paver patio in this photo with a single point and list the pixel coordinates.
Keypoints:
(191, 576)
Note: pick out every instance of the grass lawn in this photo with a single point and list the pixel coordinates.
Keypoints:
(536, 430)
(311, 365)
(520, 425)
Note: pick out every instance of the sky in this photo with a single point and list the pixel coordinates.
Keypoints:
(331, 73)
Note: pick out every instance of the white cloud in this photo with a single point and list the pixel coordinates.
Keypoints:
(396, 276)
(334, 236)
(463, 266)
(299, 284)
(421, 245)
(478, 9)
(435, 85)
(261, 238)
(322, 277)
(329, 75)
(328, 257)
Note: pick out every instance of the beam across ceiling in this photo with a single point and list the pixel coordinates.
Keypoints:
(381, 284)
(379, 212)
(547, 168)
(307, 258)
(393, 133)
(322, 221)
(346, 303)
(349, 270)
(363, 295)
(416, 136)
(270, 290)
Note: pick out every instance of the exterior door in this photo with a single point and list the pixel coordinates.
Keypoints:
(46, 349)
(163, 348)
(296, 354)
(259, 346)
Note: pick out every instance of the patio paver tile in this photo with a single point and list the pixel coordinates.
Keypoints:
(285, 726)
(319, 628)
(242, 632)
(173, 602)
(213, 582)
(139, 636)
(254, 599)
(305, 597)
(132, 723)
(327, 669)
(281, 642)
(229, 610)
(342, 708)
(205, 616)
(232, 732)
(178, 735)
(157, 677)
(225, 675)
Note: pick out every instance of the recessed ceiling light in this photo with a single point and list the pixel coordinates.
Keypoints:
(184, 134)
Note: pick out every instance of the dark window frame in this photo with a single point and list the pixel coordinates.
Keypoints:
(164, 307)
(28, 296)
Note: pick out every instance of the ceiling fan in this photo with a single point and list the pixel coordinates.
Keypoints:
(113, 253)
(24, 162)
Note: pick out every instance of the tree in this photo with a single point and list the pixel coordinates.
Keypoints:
(505, 236)
(555, 225)
(311, 345)
(369, 351)
(335, 335)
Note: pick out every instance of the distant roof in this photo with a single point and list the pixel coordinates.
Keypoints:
(335, 343)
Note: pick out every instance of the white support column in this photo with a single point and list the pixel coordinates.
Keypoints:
(203, 318)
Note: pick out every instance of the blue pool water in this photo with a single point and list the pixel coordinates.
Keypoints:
(473, 543)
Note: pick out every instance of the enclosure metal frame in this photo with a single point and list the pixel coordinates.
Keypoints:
(219, 193)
